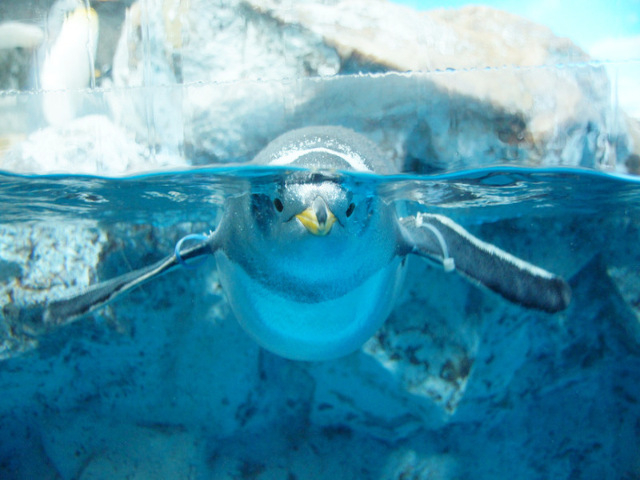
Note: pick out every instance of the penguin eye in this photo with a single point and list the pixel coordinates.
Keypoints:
(278, 204)
(352, 207)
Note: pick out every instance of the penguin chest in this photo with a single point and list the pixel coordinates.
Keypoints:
(310, 312)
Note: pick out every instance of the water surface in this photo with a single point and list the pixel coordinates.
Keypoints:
(190, 195)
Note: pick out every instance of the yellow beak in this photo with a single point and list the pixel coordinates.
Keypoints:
(317, 219)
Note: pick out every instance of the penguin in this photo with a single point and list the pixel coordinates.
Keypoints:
(312, 267)
(67, 60)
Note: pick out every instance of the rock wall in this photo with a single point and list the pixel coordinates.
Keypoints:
(204, 82)
(479, 86)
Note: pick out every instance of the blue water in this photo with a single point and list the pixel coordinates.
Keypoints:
(164, 383)
(190, 195)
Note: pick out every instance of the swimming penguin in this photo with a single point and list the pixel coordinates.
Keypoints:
(311, 268)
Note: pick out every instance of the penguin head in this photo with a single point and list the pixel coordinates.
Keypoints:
(311, 207)
(69, 15)
(318, 203)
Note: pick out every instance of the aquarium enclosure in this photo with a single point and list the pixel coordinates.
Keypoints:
(128, 125)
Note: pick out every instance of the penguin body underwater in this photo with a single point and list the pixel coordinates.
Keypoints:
(311, 268)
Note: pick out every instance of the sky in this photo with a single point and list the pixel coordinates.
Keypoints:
(607, 30)
(585, 22)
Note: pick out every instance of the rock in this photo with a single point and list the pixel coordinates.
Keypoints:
(34, 269)
(482, 86)
(17, 44)
(24, 455)
(15, 65)
(87, 145)
(94, 448)
(42, 270)
(440, 90)
(633, 161)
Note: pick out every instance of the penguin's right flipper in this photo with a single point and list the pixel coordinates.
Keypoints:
(441, 239)
(59, 312)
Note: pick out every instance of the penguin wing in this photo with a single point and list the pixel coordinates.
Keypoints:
(58, 312)
(438, 238)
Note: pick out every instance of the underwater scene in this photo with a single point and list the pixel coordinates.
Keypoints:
(346, 239)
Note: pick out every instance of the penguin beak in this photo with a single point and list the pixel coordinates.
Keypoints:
(317, 219)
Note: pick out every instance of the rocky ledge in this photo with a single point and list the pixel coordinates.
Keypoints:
(208, 82)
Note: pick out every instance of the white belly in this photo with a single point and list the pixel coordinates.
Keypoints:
(303, 330)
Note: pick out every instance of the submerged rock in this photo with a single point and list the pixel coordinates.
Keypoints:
(34, 268)
(452, 367)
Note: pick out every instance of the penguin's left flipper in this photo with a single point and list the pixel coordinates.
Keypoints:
(59, 312)
(438, 238)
